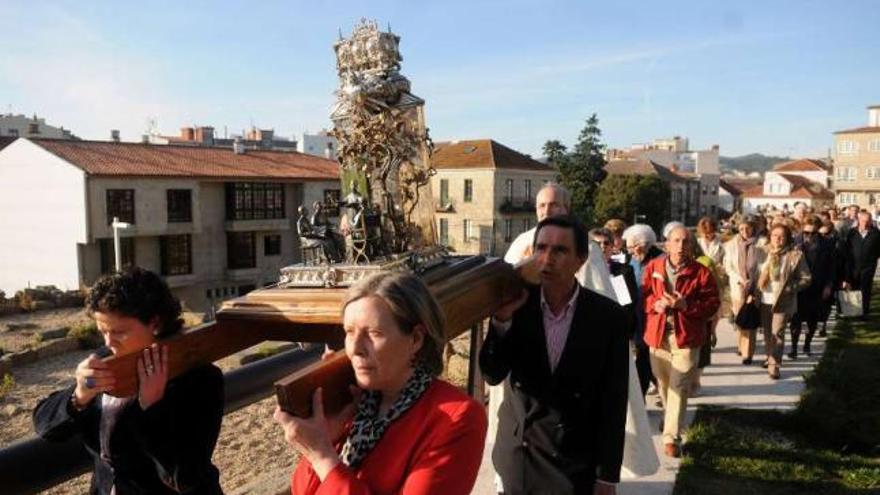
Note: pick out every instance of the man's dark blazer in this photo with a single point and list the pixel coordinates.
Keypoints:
(558, 432)
(164, 449)
(861, 255)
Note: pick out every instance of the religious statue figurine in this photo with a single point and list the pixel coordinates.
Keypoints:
(312, 237)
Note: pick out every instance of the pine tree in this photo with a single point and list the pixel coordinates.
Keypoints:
(582, 170)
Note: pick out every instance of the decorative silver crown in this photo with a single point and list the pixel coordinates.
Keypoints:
(368, 50)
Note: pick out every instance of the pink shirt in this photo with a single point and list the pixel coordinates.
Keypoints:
(556, 327)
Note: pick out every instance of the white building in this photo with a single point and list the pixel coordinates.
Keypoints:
(804, 181)
(215, 223)
(676, 155)
(31, 127)
(320, 144)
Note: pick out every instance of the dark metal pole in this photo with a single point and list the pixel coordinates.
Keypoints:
(33, 465)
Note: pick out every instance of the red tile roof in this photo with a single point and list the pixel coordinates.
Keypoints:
(738, 185)
(103, 158)
(802, 165)
(483, 153)
(861, 130)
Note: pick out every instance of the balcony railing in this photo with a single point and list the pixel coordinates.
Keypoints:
(444, 205)
(517, 205)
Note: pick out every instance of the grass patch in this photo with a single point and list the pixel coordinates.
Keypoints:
(87, 334)
(830, 443)
(6, 385)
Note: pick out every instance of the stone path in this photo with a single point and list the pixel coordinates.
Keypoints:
(726, 382)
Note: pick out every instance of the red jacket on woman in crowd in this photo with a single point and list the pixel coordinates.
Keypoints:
(696, 283)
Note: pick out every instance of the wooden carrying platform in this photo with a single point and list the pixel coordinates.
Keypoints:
(469, 289)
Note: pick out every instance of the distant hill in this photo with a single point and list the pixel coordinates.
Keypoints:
(754, 162)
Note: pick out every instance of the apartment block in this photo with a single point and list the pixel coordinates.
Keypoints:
(214, 222)
(485, 194)
(856, 177)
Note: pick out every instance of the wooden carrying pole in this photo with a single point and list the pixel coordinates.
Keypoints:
(469, 289)
(466, 299)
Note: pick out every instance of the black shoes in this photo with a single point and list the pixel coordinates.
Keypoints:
(793, 355)
(747, 361)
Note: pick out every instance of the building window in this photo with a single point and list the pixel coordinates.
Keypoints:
(712, 209)
(508, 190)
(508, 230)
(13, 132)
(241, 250)
(874, 145)
(705, 190)
(179, 205)
(714, 189)
(528, 186)
(272, 245)
(847, 147)
(254, 201)
(467, 230)
(108, 254)
(175, 252)
(120, 204)
(444, 192)
(468, 190)
(846, 174)
(847, 198)
(872, 173)
(444, 231)
(331, 201)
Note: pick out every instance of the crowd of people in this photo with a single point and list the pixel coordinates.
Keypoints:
(616, 314)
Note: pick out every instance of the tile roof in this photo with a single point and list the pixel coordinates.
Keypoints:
(103, 158)
(483, 153)
(6, 141)
(642, 166)
(738, 185)
(802, 165)
(861, 130)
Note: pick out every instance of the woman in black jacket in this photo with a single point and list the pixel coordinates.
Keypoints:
(160, 440)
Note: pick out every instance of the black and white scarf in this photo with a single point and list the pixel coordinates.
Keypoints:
(367, 428)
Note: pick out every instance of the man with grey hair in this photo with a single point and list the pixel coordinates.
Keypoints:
(551, 200)
(680, 297)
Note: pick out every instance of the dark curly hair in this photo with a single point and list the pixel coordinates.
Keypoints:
(136, 293)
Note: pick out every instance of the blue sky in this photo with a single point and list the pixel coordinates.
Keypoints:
(775, 77)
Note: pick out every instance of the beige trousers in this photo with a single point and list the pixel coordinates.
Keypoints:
(773, 325)
(675, 369)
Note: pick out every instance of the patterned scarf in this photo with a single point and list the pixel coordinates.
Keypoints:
(773, 269)
(367, 428)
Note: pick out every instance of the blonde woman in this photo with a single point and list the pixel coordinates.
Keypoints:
(783, 273)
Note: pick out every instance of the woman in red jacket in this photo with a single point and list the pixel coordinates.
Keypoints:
(409, 433)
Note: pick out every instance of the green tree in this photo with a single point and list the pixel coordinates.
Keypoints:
(625, 196)
(582, 170)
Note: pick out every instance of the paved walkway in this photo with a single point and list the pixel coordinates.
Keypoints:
(725, 383)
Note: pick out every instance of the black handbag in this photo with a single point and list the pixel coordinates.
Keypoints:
(748, 317)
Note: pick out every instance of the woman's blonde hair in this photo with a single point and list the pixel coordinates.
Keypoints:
(411, 304)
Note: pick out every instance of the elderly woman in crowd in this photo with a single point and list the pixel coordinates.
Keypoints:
(409, 432)
(815, 298)
(741, 266)
(783, 272)
(641, 244)
(708, 240)
(160, 440)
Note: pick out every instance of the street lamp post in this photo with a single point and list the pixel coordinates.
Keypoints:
(117, 250)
